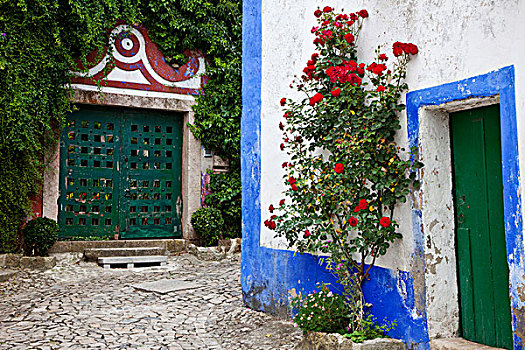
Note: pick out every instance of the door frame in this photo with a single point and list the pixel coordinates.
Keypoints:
(434, 260)
(191, 150)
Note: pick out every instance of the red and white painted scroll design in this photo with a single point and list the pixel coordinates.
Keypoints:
(139, 65)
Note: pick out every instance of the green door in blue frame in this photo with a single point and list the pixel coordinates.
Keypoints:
(483, 273)
(120, 173)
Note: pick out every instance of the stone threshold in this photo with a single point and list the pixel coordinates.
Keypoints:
(458, 344)
(174, 246)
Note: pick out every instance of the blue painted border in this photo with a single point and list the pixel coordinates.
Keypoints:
(499, 82)
(268, 274)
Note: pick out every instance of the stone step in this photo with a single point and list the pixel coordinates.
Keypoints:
(6, 274)
(131, 261)
(457, 344)
(173, 245)
(92, 254)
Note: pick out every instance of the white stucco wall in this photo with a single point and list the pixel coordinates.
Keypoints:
(456, 40)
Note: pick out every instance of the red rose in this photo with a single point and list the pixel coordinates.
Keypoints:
(339, 168)
(307, 234)
(349, 38)
(284, 165)
(363, 13)
(383, 57)
(291, 180)
(272, 225)
(353, 221)
(398, 51)
(317, 13)
(283, 101)
(318, 97)
(294, 187)
(281, 202)
(377, 68)
(411, 48)
(363, 204)
(353, 17)
(398, 48)
(336, 92)
(285, 115)
(384, 221)
(350, 23)
(380, 88)
(281, 125)
(318, 41)
(271, 208)
(282, 146)
(327, 9)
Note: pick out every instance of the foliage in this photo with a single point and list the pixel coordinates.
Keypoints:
(17, 183)
(39, 43)
(208, 223)
(226, 196)
(346, 173)
(39, 235)
(321, 311)
(371, 330)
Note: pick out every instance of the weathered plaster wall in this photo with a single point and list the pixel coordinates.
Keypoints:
(457, 40)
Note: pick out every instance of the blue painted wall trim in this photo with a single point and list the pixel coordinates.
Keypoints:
(499, 82)
(268, 274)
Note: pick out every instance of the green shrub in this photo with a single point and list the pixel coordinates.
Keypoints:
(370, 330)
(207, 223)
(321, 311)
(39, 236)
(226, 196)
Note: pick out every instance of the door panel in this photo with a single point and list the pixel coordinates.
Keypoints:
(121, 173)
(482, 258)
(89, 181)
(151, 204)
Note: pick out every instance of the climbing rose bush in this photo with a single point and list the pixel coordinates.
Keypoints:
(345, 173)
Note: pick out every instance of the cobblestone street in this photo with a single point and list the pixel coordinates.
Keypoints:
(79, 305)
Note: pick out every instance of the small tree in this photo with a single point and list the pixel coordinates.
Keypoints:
(346, 173)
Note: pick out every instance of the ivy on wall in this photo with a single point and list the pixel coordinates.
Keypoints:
(39, 42)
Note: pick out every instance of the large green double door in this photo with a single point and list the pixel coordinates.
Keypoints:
(482, 259)
(120, 172)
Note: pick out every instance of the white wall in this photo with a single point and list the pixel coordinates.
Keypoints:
(456, 40)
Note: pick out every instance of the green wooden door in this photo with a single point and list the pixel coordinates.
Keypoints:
(120, 173)
(151, 175)
(481, 254)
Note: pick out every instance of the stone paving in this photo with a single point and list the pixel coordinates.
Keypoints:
(79, 305)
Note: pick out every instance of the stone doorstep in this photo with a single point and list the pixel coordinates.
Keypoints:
(92, 254)
(130, 261)
(172, 245)
(457, 344)
(6, 274)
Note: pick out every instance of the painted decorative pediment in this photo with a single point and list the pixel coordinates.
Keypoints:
(138, 67)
